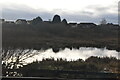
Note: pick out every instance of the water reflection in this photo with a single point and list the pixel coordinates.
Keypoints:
(74, 54)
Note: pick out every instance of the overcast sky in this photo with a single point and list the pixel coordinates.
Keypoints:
(72, 10)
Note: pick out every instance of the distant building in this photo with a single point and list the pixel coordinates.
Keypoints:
(10, 22)
(2, 20)
(73, 24)
(21, 21)
(29, 22)
(116, 24)
(111, 25)
(86, 24)
(47, 22)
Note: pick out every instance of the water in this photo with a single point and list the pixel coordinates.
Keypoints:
(74, 54)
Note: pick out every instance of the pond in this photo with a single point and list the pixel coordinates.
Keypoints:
(74, 54)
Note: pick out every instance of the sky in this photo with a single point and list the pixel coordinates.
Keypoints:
(72, 10)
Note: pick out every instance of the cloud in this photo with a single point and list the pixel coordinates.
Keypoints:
(13, 14)
(95, 15)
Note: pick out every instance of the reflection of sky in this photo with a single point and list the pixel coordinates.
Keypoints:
(73, 54)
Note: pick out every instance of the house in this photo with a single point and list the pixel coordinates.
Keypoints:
(73, 24)
(29, 22)
(116, 25)
(47, 22)
(86, 25)
(10, 22)
(21, 21)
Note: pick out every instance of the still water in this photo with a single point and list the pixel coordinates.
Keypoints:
(74, 54)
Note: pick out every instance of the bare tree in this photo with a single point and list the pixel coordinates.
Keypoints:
(103, 21)
(14, 59)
